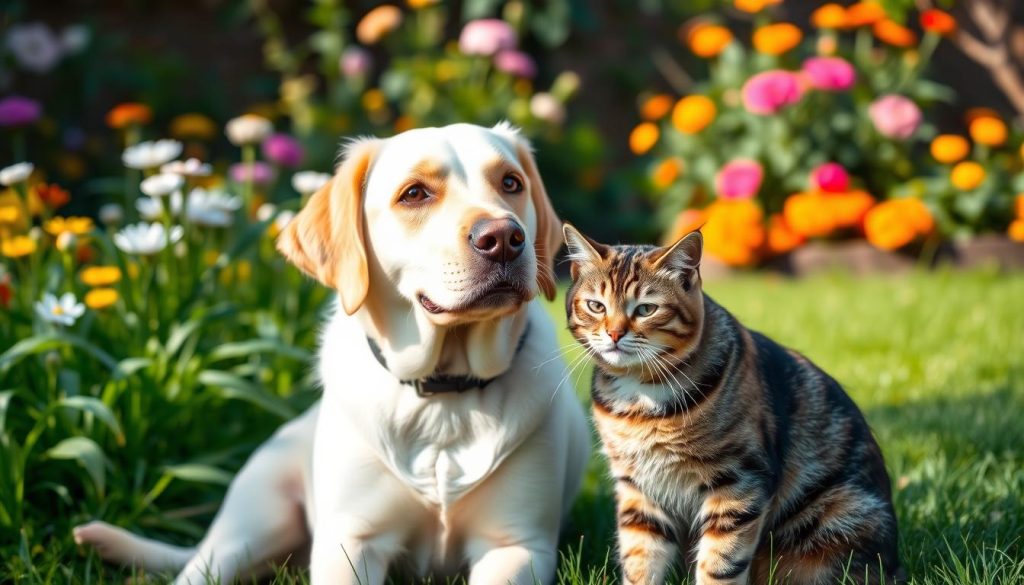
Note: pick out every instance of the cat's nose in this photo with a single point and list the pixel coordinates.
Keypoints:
(616, 334)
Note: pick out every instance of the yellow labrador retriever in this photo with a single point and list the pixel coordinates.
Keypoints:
(442, 437)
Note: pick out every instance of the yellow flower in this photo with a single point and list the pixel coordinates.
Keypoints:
(79, 226)
(709, 40)
(17, 246)
(988, 130)
(693, 113)
(374, 100)
(666, 172)
(195, 126)
(967, 175)
(656, 107)
(244, 270)
(643, 138)
(1016, 230)
(950, 148)
(754, 6)
(10, 214)
(831, 16)
(776, 39)
(419, 4)
(378, 23)
(100, 298)
(100, 275)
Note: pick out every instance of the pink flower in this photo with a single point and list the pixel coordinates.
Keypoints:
(831, 177)
(829, 73)
(895, 116)
(767, 93)
(19, 111)
(516, 63)
(739, 179)
(283, 150)
(355, 61)
(486, 37)
(260, 173)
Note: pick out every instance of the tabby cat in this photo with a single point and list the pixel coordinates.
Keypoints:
(726, 447)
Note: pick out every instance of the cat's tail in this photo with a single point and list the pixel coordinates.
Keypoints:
(117, 545)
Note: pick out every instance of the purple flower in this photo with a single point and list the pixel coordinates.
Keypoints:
(486, 37)
(355, 61)
(516, 63)
(259, 172)
(895, 116)
(283, 150)
(19, 111)
(829, 73)
(767, 93)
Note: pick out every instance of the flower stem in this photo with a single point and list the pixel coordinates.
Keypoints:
(248, 162)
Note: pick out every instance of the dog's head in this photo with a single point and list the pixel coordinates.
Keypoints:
(455, 219)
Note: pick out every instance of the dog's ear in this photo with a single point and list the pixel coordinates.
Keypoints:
(327, 238)
(549, 227)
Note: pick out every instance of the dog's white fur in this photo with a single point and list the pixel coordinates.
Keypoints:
(480, 479)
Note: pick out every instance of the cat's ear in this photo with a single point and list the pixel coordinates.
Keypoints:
(683, 256)
(582, 250)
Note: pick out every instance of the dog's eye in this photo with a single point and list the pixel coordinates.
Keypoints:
(595, 307)
(414, 194)
(645, 310)
(512, 184)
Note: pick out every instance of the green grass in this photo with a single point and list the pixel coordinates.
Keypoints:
(934, 360)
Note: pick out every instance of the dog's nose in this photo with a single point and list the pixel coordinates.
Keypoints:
(498, 240)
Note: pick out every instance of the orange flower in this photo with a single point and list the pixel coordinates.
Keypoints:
(53, 196)
(897, 222)
(848, 209)
(938, 21)
(807, 215)
(693, 113)
(781, 238)
(1019, 206)
(129, 114)
(643, 138)
(864, 14)
(734, 231)
(193, 125)
(666, 172)
(690, 220)
(895, 34)
(1016, 230)
(988, 130)
(708, 40)
(754, 6)
(776, 39)
(378, 23)
(967, 175)
(831, 16)
(656, 107)
(975, 113)
(950, 148)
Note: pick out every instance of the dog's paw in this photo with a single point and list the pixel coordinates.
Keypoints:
(101, 536)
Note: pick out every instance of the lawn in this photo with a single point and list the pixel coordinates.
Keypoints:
(932, 359)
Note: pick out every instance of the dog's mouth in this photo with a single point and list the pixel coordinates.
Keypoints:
(502, 293)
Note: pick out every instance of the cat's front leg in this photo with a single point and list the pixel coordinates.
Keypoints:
(647, 545)
(730, 530)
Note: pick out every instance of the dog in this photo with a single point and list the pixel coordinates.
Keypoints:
(441, 438)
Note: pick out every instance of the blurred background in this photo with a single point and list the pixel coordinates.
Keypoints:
(649, 117)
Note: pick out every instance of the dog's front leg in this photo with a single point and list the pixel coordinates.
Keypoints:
(521, 564)
(338, 559)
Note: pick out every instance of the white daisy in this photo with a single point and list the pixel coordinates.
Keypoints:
(188, 168)
(15, 173)
(309, 182)
(151, 154)
(266, 211)
(146, 239)
(152, 208)
(283, 219)
(63, 311)
(248, 129)
(162, 184)
(211, 208)
(111, 214)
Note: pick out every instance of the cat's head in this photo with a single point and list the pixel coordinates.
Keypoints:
(634, 307)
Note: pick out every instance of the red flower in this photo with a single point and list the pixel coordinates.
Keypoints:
(937, 21)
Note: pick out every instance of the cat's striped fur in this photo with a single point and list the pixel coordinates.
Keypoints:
(727, 450)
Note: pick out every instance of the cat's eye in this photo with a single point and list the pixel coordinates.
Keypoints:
(595, 307)
(645, 310)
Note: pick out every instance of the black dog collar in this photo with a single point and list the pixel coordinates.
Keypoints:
(444, 383)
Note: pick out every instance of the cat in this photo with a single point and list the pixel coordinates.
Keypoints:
(724, 446)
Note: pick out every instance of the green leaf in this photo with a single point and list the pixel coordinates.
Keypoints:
(88, 454)
(129, 366)
(251, 346)
(199, 473)
(5, 403)
(231, 386)
(49, 341)
(98, 409)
